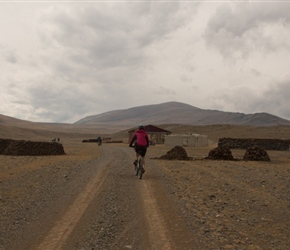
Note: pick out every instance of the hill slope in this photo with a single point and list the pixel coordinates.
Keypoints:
(179, 113)
(171, 114)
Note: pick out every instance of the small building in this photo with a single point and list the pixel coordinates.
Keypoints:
(183, 140)
(155, 134)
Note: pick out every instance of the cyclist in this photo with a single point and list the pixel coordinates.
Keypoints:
(141, 143)
(99, 140)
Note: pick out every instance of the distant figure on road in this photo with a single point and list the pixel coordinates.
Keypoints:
(99, 140)
(58, 139)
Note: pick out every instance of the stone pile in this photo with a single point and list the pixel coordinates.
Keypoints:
(30, 148)
(176, 153)
(256, 153)
(220, 153)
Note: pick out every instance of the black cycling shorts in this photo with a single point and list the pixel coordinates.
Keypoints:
(141, 150)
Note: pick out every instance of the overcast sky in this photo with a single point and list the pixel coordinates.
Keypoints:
(63, 60)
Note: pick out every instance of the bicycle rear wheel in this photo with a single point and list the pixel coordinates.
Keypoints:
(140, 167)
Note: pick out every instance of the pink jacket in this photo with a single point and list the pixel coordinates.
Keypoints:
(141, 138)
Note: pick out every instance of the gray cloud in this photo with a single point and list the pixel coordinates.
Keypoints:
(274, 99)
(58, 102)
(8, 55)
(165, 91)
(236, 30)
(108, 35)
(11, 57)
(186, 79)
(97, 50)
(62, 61)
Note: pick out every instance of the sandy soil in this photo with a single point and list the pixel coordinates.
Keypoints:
(90, 199)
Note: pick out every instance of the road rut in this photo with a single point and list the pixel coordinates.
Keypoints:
(101, 204)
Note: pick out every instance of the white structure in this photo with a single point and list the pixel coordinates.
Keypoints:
(193, 140)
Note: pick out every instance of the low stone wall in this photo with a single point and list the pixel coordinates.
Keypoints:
(267, 144)
(4, 143)
(91, 140)
(31, 148)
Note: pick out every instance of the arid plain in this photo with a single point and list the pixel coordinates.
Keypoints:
(199, 204)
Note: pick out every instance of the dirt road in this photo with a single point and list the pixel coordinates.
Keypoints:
(91, 199)
(104, 206)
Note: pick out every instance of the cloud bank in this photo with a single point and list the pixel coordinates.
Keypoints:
(65, 61)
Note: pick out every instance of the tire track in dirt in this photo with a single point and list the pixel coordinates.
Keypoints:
(157, 229)
(59, 233)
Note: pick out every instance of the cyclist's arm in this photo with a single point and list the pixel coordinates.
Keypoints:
(132, 140)
(147, 140)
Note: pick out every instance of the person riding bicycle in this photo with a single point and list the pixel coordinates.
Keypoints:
(141, 143)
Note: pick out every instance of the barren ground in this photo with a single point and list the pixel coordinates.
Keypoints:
(90, 199)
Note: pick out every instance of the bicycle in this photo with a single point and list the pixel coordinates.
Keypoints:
(139, 167)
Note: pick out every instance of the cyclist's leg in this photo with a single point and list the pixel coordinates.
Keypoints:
(143, 159)
(136, 155)
(143, 153)
(143, 163)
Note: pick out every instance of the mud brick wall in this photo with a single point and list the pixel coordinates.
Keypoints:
(267, 144)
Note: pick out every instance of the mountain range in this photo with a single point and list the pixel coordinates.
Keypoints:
(178, 113)
(157, 114)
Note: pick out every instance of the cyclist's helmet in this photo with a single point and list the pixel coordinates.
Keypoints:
(141, 127)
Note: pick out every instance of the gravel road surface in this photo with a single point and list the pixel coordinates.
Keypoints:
(91, 199)
(92, 204)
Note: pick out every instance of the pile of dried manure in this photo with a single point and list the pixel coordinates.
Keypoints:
(256, 153)
(220, 153)
(176, 153)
